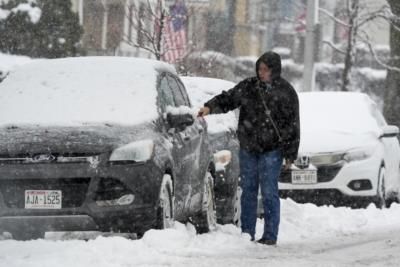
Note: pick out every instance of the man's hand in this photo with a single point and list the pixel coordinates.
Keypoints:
(203, 111)
(288, 164)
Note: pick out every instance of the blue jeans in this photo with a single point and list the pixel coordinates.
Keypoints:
(264, 170)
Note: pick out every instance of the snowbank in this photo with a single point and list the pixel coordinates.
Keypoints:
(10, 62)
(306, 233)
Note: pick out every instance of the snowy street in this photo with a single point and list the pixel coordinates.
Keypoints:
(151, 133)
(309, 236)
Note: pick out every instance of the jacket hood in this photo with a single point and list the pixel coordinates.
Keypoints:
(273, 61)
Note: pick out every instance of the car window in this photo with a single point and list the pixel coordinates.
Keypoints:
(165, 93)
(184, 93)
(180, 99)
(378, 116)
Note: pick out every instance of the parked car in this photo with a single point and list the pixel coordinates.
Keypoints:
(224, 143)
(101, 143)
(348, 154)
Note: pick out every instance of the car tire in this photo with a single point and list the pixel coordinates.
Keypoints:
(207, 219)
(165, 209)
(381, 190)
(237, 208)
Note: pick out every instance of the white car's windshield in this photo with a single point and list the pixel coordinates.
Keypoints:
(335, 111)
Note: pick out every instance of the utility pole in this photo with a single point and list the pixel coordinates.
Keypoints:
(310, 48)
(104, 26)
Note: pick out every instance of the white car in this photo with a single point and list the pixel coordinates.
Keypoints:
(348, 153)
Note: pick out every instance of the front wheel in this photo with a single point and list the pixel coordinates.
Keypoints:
(207, 219)
(381, 190)
(165, 210)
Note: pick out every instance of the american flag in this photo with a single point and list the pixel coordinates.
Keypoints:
(174, 37)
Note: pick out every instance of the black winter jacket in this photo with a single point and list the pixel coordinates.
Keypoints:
(256, 131)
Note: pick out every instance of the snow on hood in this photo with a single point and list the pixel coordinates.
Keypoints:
(336, 121)
(200, 90)
(326, 141)
(85, 90)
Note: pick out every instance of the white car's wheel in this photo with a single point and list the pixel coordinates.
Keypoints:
(165, 212)
(381, 189)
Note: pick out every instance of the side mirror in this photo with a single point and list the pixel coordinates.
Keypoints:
(179, 121)
(390, 131)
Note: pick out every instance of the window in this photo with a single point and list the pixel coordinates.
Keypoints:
(165, 94)
(378, 116)
(179, 95)
(184, 93)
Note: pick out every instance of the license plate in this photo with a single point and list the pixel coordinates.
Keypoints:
(304, 177)
(43, 199)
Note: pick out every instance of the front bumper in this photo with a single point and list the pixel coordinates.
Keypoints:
(339, 178)
(87, 184)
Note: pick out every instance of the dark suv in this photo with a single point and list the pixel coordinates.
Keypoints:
(105, 144)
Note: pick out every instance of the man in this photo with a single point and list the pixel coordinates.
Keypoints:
(268, 132)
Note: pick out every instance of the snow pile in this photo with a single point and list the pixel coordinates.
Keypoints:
(10, 62)
(33, 12)
(373, 74)
(307, 221)
(306, 232)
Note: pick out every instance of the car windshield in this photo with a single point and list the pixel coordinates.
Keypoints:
(336, 111)
(80, 90)
(200, 90)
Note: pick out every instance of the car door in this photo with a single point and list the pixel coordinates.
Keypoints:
(193, 139)
(182, 151)
(391, 149)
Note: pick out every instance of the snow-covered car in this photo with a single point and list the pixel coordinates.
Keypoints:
(224, 143)
(348, 154)
(101, 143)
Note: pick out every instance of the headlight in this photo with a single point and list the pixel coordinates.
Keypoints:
(326, 159)
(139, 151)
(359, 154)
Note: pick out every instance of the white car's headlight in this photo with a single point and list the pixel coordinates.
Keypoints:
(139, 151)
(359, 154)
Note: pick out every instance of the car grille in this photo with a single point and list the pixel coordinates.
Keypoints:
(324, 174)
(49, 158)
(73, 190)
